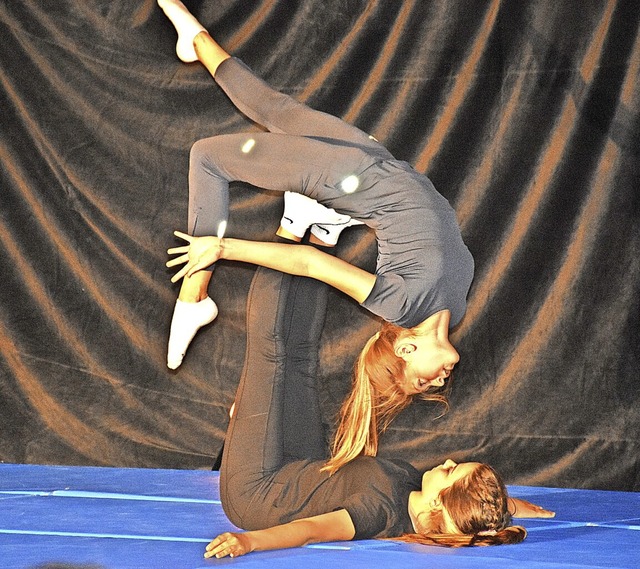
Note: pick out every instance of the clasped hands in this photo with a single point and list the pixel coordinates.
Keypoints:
(197, 255)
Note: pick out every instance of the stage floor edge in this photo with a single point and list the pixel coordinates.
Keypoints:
(121, 518)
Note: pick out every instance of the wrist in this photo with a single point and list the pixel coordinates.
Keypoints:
(252, 541)
(223, 245)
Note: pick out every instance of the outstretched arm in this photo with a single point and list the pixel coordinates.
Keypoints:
(300, 260)
(524, 509)
(333, 526)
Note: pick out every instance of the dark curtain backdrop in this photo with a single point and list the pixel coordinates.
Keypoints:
(525, 116)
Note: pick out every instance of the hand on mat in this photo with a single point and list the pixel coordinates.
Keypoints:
(231, 544)
(523, 509)
(198, 254)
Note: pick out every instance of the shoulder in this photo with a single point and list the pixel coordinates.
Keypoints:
(372, 471)
(378, 497)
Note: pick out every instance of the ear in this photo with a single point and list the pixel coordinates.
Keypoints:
(435, 505)
(404, 348)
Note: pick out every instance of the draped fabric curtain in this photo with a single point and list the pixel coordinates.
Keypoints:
(524, 115)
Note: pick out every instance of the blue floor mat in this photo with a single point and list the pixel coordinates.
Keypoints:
(114, 518)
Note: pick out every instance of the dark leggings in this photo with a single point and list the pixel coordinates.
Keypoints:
(305, 151)
(277, 415)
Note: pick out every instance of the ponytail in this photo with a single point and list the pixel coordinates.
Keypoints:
(357, 432)
(507, 536)
(376, 397)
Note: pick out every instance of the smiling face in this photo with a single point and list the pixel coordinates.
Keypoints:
(429, 362)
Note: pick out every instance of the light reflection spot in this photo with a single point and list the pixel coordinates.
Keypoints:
(248, 146)
(350, 184)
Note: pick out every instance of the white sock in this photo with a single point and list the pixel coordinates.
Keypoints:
(186, 25)
(301, 211)
(188, 318)
(329, 233)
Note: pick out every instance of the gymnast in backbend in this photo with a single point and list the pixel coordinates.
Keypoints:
(424, 269)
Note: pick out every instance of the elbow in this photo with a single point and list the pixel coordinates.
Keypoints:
(318, 264)
(309, 533)
(308, 261)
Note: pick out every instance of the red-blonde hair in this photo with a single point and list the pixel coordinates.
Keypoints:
(478, 507)
(376, 397)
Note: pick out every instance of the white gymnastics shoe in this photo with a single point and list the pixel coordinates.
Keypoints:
(301, 211)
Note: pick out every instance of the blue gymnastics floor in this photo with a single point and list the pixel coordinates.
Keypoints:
(110, 518)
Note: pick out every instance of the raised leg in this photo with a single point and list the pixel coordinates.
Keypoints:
(276, 111)
(304, 435)
(277, 413)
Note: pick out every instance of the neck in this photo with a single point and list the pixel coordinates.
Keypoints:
(412, 510)
(437, 323)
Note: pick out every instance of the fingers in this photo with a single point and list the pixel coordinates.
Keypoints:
(226, 544)
(182, 248)
(184, 236)
(542, 512)
(181, 273)
(189, 255)
(525, 509)
(178, 260)
(177, 250)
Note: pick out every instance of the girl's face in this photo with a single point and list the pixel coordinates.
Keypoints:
(434, 481)
(444, 476)
(429, 362)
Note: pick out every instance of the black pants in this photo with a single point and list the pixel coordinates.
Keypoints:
(277, 415)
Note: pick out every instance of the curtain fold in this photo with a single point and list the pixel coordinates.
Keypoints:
(524, 115)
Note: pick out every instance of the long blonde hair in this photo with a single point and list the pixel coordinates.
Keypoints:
(478, 507)
(376, 397)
